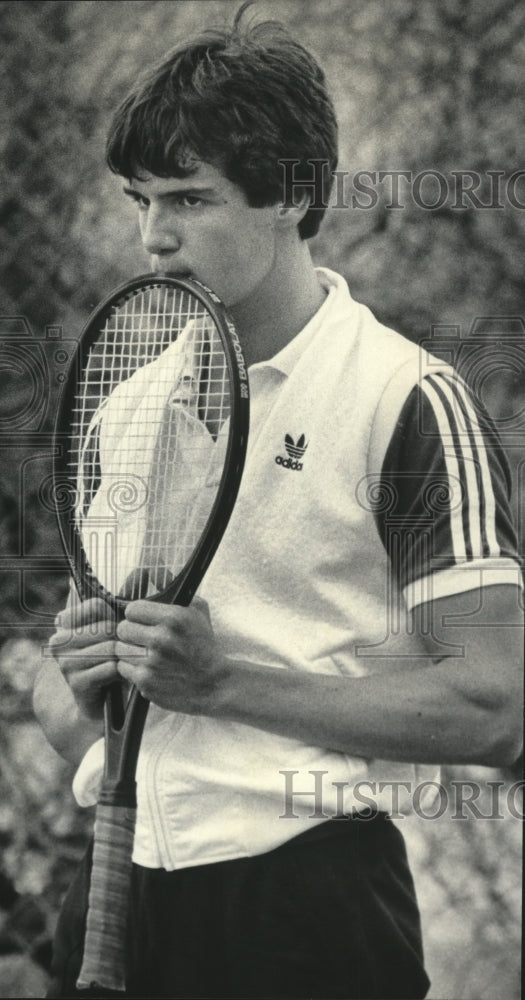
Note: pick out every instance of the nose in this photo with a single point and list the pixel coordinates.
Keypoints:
(158, 234)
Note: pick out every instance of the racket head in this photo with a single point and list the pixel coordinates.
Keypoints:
(141, 326)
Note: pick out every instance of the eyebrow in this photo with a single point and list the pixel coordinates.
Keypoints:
(179, 192)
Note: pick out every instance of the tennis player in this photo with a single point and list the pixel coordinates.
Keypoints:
(360, 623)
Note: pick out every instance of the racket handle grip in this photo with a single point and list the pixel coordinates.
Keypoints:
(103, 965)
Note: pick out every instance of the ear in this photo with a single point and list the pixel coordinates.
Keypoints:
(289, 215)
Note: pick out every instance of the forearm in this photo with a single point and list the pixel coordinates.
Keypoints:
(423, 715)
(465, 708)
(69, 733)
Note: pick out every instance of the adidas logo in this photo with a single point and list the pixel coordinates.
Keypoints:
(295, 450)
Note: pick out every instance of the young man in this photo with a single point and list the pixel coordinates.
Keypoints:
(359, 624)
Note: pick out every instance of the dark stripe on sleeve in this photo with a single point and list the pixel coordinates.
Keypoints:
(458, 390)
(454, 433)
(416, 529)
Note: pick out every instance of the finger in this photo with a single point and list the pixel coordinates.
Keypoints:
(199, 604)
(68, 643)
(73, 660)
(85, 613)
(64, 640)
(98, 676)
(134, 673)
(137, 635)
(131, 653)
(153, 613)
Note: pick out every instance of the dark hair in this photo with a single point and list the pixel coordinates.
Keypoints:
(241, 99)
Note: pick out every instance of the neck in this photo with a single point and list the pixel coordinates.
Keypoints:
(283, 304)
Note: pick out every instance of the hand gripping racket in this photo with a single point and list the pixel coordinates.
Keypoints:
(150, 442)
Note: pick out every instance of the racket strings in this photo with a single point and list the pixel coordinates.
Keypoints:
(150, 438)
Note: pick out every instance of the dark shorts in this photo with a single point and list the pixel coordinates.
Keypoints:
(330, 914)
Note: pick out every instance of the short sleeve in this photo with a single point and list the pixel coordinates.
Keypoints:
(447, 526)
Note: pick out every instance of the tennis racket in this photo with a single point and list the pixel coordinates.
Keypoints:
(150, 443)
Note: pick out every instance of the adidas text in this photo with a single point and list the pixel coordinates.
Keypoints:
(288, 464)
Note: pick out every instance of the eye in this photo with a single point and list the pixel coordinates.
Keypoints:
(139, 200)
(190, 200)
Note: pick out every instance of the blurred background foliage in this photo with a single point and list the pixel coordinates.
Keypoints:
(419, 85)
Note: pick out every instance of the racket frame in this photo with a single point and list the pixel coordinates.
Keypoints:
(182, 588)
(124, 723)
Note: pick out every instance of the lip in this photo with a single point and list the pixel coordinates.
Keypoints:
(168, 272)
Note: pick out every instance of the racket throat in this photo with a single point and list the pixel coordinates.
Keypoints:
(124, 723)
(115, 708)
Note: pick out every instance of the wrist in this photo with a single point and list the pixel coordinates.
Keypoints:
(221, 698)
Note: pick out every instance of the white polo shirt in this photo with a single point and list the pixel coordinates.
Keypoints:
(301, 582)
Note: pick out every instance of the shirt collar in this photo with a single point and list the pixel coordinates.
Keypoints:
(337, 304)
